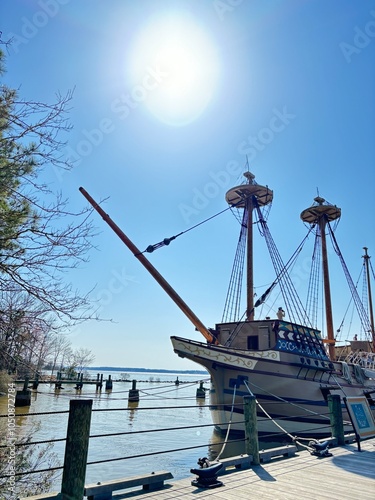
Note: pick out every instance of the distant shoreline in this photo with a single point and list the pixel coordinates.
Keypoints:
(144, 370)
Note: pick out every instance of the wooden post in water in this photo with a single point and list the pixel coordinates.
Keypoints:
(335, 415)
(58, 381)
(99, 383)
(251, 428)
(76, 448)
(79, 382)
(133, 393)
(36, 381)
(23, 398)
(108, 384)
(201, 392)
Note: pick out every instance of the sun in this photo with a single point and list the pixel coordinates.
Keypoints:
(176, 62)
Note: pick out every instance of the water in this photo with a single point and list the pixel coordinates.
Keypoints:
(157, 392)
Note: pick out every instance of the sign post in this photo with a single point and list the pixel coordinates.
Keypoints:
(361, 417)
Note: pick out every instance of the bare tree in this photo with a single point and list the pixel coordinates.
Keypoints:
(82, 358)
(40, 237)
(24, 333)
(59, 351)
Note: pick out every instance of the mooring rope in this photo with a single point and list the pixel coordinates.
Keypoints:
(229, 425)
(290, 403)
(267, 414)
(295, 439)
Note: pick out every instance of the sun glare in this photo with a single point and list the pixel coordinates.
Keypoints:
(177, 64)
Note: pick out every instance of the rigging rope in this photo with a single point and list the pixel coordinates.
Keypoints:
(314, 281)
(233, 298)
(288, 291)
(282, 277)
(357, 301)
(236, 331)
(166, 241)
(347, 308)
(372, 270)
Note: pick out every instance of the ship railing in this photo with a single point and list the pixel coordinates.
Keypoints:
(362, 358)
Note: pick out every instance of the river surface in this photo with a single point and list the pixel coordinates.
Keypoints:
(159, 407)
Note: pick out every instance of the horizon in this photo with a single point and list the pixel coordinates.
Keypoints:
(156, 370)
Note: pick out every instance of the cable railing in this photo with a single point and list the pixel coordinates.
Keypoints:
(80, 418)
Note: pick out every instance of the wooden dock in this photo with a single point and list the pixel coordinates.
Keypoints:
(347, 474)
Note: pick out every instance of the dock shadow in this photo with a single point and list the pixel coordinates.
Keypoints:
(352, 463)
(262, 473)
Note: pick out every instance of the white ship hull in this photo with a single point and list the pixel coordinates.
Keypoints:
(293, 392)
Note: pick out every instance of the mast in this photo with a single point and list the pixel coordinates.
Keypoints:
(246, 196)
(366, 258)
(151, 269)
(321, 214)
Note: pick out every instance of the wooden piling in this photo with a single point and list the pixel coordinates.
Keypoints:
(251, 428)
(36, 381)
(58, 381)
(335, 415)
(23, 397)
(76, 448)
(99, 381)
(108, 384)
(201, 392)
(133, 392)
(79, 382)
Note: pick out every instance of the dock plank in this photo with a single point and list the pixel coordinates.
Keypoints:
(346, 475)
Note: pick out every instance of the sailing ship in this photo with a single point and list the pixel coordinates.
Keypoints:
(285, 363)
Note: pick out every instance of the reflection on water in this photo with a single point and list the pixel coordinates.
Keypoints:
(132, 405)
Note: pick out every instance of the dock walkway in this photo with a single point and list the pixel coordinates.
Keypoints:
(347, 474)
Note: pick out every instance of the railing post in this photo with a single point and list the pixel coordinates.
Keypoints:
(76, 448)
(335, 415)
(251, 428)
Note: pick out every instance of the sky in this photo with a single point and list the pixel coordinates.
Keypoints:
(172, 100)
